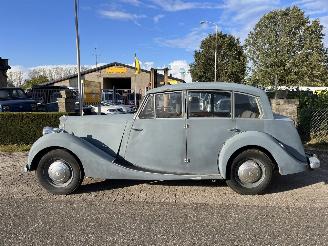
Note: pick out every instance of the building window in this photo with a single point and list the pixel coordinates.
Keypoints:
(148, 111)
(168, 105)
(246, 106)
(209, 104)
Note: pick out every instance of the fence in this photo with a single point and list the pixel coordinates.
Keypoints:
(313, 125)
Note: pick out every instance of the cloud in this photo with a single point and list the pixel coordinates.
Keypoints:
(156, 18)
(180, 69)
(179, 5)
(121, 15)
(132, 2)
(189, 42)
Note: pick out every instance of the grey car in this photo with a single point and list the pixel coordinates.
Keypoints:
(178, 133)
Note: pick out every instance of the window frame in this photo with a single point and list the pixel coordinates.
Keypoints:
(258, 102)
(211, 92)
(145, 101)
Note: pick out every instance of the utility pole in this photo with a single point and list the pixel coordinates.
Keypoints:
(78, 58)
(216, 46)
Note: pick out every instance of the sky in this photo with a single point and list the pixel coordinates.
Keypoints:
(161, 32)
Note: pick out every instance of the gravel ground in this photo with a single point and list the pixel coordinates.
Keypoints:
(293, 212)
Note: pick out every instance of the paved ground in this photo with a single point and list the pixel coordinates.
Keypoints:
(294, 212)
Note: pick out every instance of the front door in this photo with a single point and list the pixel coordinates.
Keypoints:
(209, 125)
(157, 141)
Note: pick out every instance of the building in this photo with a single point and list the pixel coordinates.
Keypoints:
(119, 76)
(3, 72)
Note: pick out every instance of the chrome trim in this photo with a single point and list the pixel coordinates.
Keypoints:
(314, 162)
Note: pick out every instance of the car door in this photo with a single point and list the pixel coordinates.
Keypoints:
(209, 125)
(157, 141)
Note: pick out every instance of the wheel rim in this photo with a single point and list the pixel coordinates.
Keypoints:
(250, 173)
(60, 173)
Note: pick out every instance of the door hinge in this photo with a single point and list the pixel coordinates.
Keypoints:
(186, 160)
(186, 126)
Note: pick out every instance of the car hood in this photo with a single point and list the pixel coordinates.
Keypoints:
(103, 131)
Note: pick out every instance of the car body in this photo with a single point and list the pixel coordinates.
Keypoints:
(15, 100)
(178, 133)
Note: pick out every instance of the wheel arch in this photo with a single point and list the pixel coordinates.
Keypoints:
(35, 161)
(248, 147)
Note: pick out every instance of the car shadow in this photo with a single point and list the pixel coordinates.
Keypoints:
(279, 184)
(282, 183)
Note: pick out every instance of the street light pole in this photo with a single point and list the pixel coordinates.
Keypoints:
(78, 58)
(216, 46)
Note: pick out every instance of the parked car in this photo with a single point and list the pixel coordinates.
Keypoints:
(15, 100)
(106, 108)
(173, 136)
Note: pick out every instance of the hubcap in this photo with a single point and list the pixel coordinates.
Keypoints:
(59, 172)
(249, 172)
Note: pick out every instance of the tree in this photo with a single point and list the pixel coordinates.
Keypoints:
(286, 48)
(231, 60)
(39, 79)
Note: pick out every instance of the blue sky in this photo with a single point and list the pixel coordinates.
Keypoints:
(41, 32)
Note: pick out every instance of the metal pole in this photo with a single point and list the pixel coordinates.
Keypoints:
(216, 51)
(78, 58)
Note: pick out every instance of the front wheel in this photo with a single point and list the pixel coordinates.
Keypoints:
(250, 172)
(59, 172)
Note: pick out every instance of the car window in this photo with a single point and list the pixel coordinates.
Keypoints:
(209, 104)
(148, 111)
(4, 94)
(168, 105)
(246, 106)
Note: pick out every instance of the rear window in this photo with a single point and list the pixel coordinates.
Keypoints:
(246, 106)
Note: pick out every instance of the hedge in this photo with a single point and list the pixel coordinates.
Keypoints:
(25, 128)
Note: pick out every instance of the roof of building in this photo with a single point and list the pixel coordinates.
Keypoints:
(210, 86)
(101, 68)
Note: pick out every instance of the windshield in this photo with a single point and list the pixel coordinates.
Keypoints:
(6, 94)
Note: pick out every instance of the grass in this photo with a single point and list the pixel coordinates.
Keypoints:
(15, 148)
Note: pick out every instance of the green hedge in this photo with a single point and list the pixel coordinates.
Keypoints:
(25, 128)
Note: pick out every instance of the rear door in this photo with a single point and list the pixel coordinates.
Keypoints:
(209, 125)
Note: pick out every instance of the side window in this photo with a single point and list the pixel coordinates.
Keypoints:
(168, 105)
(148, 110)
(246, 106)
(209, 104)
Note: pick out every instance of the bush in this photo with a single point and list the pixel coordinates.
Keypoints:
(25, 128)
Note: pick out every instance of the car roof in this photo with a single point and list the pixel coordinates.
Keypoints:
(210, 86)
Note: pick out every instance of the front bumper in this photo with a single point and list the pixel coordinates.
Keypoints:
(313, 161)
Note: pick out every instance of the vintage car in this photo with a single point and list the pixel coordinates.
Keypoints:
(178, 133)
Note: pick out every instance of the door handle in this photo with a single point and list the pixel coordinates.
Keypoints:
(137, 129)
(235, 130)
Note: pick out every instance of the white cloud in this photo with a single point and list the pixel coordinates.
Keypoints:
(180, 69)
(156, 18)
(179, 5)
(189, 42)
(132, 2)
(121, 15)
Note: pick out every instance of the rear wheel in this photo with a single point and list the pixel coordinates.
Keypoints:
(250, 172)
(59, 172)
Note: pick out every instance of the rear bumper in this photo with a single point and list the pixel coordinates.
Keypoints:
(313, 161)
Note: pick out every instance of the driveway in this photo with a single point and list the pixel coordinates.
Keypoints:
(106, 212)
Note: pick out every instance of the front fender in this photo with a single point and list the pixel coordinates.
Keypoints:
(287, 164)
(88, 154)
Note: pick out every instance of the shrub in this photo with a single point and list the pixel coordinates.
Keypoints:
(25, 128)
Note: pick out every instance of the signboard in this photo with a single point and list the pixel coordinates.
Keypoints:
(91, 92)
(116, 69)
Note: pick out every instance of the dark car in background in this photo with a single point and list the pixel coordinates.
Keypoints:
(15, 100)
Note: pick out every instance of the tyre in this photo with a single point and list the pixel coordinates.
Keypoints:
(250, 172)
(59, 172)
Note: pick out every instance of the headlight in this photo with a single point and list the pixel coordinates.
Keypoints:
(48, 130)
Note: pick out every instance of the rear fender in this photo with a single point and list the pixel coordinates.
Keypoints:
(287, 164)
